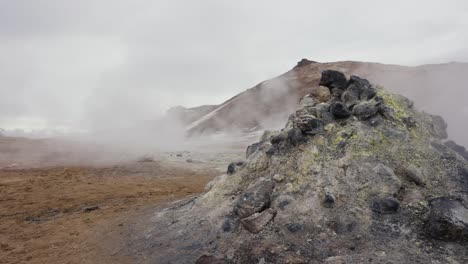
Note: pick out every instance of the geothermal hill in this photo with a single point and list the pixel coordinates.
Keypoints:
(359, 176)
(439, 88)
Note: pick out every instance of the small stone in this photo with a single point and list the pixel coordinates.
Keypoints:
(278, 177)
(339, 110)
(415, 175)
(386, 206)
(329, 127)
(409, 122)
(294, 227)
(90, 208)
(189, 160)
(387, 112)
(256, 222)
(329, 200)
(233, 167)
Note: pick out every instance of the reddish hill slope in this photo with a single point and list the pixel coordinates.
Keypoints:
(438, 88)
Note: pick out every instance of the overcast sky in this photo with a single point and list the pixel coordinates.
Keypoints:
(73, 64)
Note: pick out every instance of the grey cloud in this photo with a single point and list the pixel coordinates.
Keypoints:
(81, 62)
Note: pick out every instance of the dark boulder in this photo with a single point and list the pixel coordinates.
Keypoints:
(385, 206)
(365, 110)
(309, 125)
(333, 79)
(254, 199)
(360, 82)
(447, 219)
(296, 137)
(339, 110)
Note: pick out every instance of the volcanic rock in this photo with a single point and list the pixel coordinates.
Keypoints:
(333, 79)
(254, 199)
(448, 219)
(347, 195)
(256, 222)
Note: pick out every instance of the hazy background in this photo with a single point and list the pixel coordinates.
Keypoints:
(80, 65)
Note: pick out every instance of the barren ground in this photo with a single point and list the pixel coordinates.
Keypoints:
(83, 213)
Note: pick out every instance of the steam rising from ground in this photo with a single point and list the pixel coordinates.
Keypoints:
(436, 89)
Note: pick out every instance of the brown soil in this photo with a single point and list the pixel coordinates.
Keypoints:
(79, 214)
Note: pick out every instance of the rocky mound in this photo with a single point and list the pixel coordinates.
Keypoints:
(360, 178)
(268, 104)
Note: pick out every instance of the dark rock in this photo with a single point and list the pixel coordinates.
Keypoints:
(294, 227)
(415, 175)
(189, 160)
(233, 167)
(339, 110)
(365, 110)
(333, 79)
(179, 155)
(228, 225)
(256, 222)
(368, 94)
(387, 112)
(281, 137)
(309, 125)
(296, 137)
(385, 206)
(329, 200)
(457, 148)
(351, 96)
(90, 208)
(439, 127)
(360, 82)
(304, 62)
(375, 121)
(409, 122)
(252, 149)
(254, 199)
(447, 219)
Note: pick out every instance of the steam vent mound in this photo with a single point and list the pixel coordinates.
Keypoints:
(360, 178)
